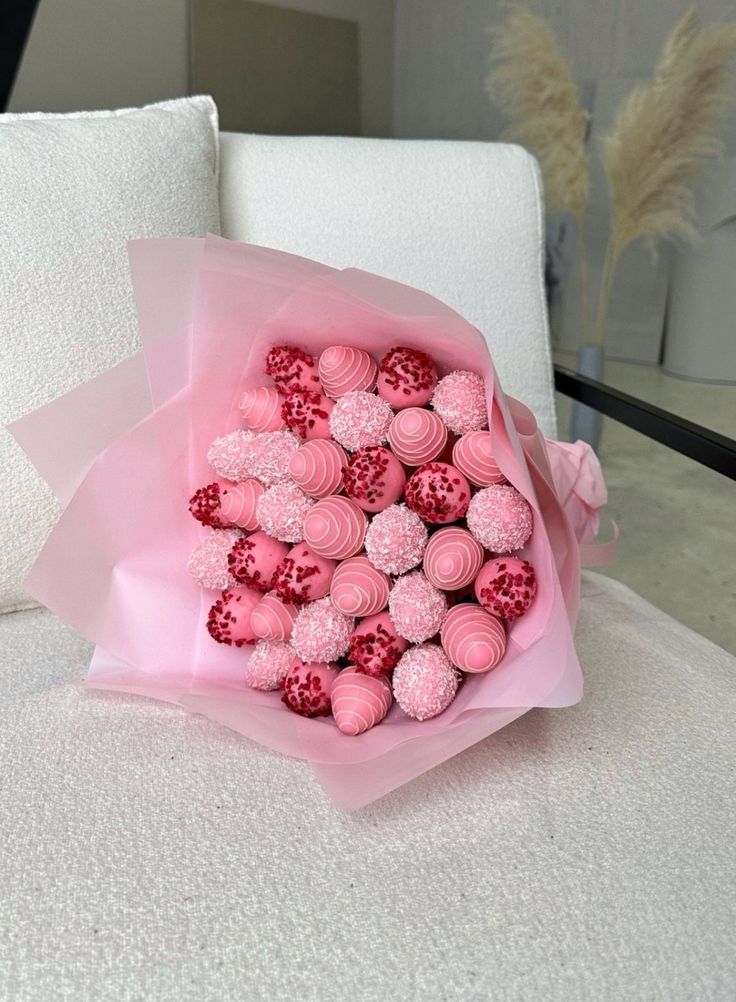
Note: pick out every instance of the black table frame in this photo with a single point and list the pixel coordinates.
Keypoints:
(701, 444)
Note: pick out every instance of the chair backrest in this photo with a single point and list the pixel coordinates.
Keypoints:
(460, 220)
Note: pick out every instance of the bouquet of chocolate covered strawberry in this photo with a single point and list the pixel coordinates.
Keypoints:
(365, 543)
(379, 534)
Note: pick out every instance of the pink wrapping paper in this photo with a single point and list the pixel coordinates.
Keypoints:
(126, 451)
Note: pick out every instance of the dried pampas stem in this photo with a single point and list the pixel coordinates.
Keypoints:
(662, 134)
(532, 83)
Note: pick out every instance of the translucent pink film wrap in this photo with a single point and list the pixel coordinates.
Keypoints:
(115, 565)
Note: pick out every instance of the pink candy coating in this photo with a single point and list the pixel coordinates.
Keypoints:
(452, 558)
(417, 436)
(359, 419)
(473, 456)
(292, 368)
(229, 455)
(254, 559)
(303, 575)
(307, 688)
(500, 518)
(281, 511)
(208, 563)
(321, 632)
(473, 640)
(343, 369)
(396, 540)
(506, 587)
(269, 454)
(317, 467)
(438, 493)
(460, 400)
(273, 619)
(358, 588)
(335, 527)
(269, 664)
(425, 682)
(238, 504)
(406, 377)
(307, 413)
(375, 646)
(260, 409)
(229, 618)
(417, 608)
(359, 701)
(374, 478)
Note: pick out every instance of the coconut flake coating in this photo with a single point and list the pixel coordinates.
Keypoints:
(360, 418)
(396, 540)
(229, 455)
(321, 632)
(460, 400)
(208, 563)
(500, 518)
(269, 664)
(417, 608)
(269, 455)
(281, 511)
(424, 682)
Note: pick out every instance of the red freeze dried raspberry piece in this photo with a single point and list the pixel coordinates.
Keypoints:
(436, 493)
(205, 506)
(301, 409)
(375, 653)
(292, 369)
(291, 580)
(365, 473)
(304, 693)
(407, 369)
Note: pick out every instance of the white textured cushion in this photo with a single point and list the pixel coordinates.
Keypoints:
(463, 221)
(74, 189)
(577, 855)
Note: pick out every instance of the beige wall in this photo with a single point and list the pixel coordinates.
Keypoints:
(442, 50)
(85, 54)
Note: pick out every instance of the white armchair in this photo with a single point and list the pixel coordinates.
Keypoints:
(580, 854)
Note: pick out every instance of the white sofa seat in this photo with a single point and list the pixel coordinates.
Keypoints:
(580, 854)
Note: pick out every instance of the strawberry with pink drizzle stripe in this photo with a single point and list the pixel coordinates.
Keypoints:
(239, 502)
(260, 409)
(452, 558)
(343, 370)
(318, 467)
(335, 527)
(358, 588)
(272, 618)
(359, 701)
(417, 436)
(473, 639)
(473, 456)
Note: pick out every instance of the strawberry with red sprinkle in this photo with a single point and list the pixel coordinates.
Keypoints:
(292, 368)
(374, 478)
(438, 493)
(375, 647)
(307, 689)
(303, 575)
(228, 621)
(205, 506)
(307, 413)
(506, 587)
(406, 378)
(253, 560)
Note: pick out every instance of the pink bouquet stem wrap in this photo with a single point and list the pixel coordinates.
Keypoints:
(126, 451)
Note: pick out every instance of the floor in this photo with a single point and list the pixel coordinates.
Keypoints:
(677, 519)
